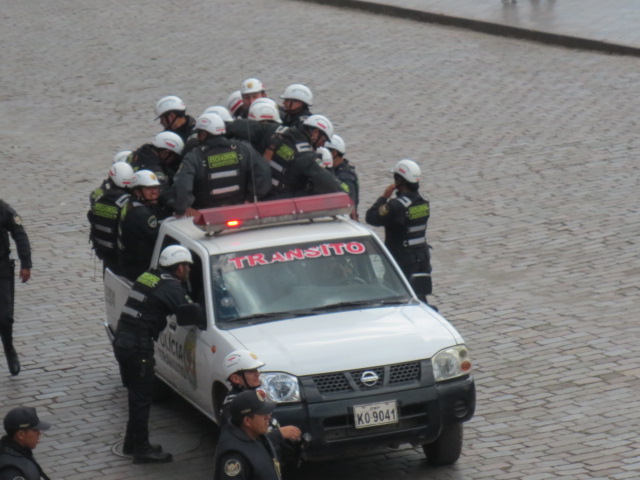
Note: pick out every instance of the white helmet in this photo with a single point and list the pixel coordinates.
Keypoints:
(320, 122)
(222, 112)
(264, 111)
(297, 91)
(145, 178)
(408, 169)
(121, 156)
(212, 123)
(336, 143)
(325, 159)
(241, 360)
(121, 174)
(174, 254)
(234, 101)
(169, 140)
(169, 103)
(252, 85)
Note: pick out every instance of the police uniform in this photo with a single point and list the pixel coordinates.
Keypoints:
(154, 295)
(346, 173)
(104, 217)
(220, 172)
(18, 463)
(10, 224)
(294, 167)
(404, 219)
(137, 234)
(238, 457)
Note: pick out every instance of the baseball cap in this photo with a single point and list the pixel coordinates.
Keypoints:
(250, 402)
(24, 418)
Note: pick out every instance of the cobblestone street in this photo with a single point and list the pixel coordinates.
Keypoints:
(529, 155)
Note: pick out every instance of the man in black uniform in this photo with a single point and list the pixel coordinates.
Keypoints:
(104, 215)
(139, 223)
(344, 171)
(171, 111)
(218, 171)
(297, 99)
(291, 153)
(11, 224)
(23, 429)
(404, 219)
(243, 451)
(155, 294)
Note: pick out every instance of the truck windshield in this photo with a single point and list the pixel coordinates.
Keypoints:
(304, 279)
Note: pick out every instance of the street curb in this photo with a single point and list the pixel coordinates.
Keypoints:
(484, 27)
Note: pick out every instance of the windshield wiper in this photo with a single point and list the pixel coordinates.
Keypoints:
(364, 303)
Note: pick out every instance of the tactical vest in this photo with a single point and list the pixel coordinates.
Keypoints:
(223, 182)
(417, 212)
(104, 217)
(285, 146)
(144, 285)
(28, 468)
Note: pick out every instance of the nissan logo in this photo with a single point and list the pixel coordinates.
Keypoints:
(369, 378)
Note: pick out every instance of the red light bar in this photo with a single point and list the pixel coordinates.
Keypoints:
(215, 220)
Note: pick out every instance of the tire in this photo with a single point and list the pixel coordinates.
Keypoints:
(447, 448)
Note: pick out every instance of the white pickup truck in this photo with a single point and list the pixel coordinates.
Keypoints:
(353, 358)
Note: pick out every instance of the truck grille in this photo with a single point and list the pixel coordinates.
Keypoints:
(351, 380)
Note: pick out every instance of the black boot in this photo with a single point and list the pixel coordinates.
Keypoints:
(146, 454)
(12, 360)
(128, 446)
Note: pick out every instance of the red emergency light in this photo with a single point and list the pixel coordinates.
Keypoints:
(215, 220)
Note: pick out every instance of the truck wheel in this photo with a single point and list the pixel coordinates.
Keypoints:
(447, 448)
(218, 394)
(161, 391)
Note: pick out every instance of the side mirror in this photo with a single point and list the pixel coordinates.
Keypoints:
(191, 314)
(421, 284)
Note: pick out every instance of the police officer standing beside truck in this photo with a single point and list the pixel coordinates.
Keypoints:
(11, 224)
(244, 452)
(23, 428)
(155, 294)
(404, 219)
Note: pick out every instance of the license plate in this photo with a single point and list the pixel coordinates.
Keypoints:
(375, 414)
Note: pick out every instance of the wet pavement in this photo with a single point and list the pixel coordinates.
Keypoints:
(587, 24)
(530, 159)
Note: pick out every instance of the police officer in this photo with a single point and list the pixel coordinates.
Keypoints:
(139, 222)
(251, 90)
(23, 428)
(171, 111)
(119, 157)
(344, 171)
(155, 294)
(104, 215)
(297, 99)
(218, 171)
(162, 156)
(244, 452)
(243, 374)
(11, 224)
(404, 219)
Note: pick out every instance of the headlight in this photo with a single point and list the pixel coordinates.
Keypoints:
(451, 362)
(280, 387)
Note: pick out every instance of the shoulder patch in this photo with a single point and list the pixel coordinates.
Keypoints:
(17, 220)
(383, 210)
(232, 468)
(152, 221)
